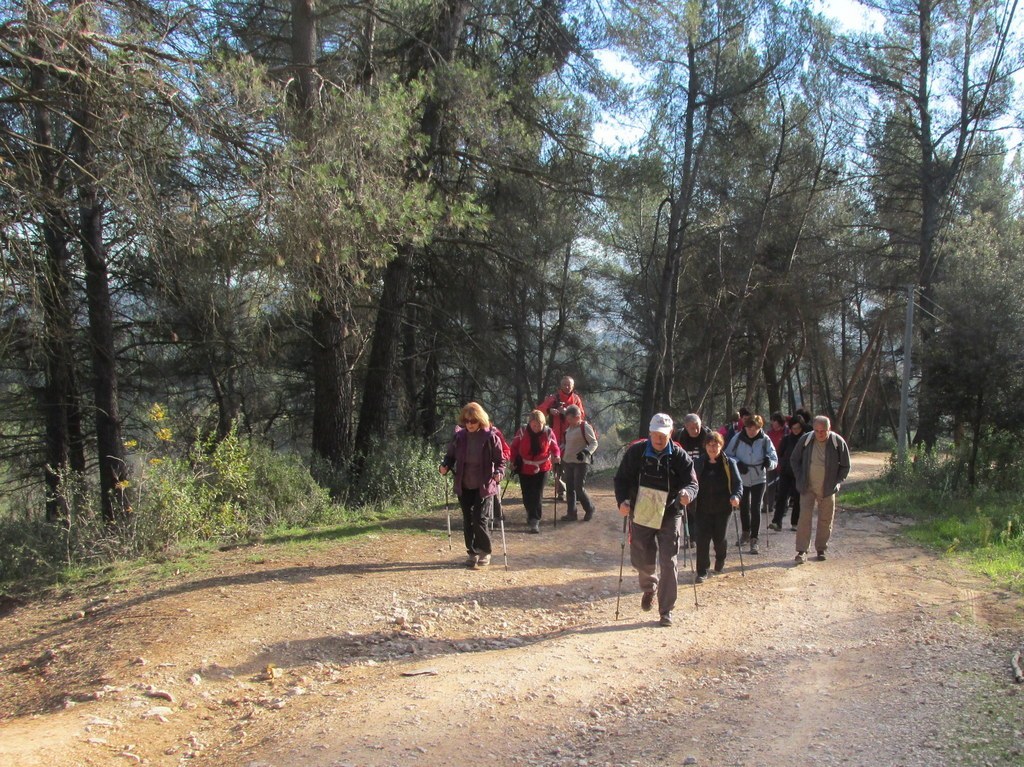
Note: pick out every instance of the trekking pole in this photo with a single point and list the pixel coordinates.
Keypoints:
(448, 512)
(504, 548)
(739, 546)
(622, 562)
(693, 560)
(554, 515)
(686, 540)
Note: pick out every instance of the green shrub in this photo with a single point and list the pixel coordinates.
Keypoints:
(226, 489)
(214, 490)
(399, 473)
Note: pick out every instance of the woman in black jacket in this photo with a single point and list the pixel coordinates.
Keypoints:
(787, 481)
(720, 492)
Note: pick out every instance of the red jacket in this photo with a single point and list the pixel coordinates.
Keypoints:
(529, 464)
(561, 401)
(506, 451)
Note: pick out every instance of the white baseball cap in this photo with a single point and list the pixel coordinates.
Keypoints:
(662, 422)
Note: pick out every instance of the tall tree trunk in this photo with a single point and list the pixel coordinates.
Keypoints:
(65, 445)
(381, 374)
(109, 443)
(331, 423)
(381, 369)
(328, 328)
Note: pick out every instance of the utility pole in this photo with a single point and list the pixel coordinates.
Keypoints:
(908, 337)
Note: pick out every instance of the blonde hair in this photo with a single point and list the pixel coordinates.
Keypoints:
(539, 417)
(473, 412)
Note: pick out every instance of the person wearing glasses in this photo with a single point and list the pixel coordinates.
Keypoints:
(476, 456)
(821, 462)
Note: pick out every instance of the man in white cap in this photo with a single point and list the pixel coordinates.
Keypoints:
(655, 480)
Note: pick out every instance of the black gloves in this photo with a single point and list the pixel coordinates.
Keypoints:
(581, 456)
(743, 466)
(767, 462)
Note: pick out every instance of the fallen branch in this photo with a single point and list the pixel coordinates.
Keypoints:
(1018, 673)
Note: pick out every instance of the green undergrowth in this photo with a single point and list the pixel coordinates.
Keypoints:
(184, 504)
(982, 528)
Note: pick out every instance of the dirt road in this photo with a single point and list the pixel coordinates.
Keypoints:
(386, 652)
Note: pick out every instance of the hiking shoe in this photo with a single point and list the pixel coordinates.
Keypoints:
(588, 516)
(821, 556)
(471, 560)
(801, 557)
(753, 546)
(775, 526)
(719, 565)
(745, 538)
(700, 578)
(483, 560)
(793, 528)
(646, 601)
(534, 526)
(570, 518)
(666, 619)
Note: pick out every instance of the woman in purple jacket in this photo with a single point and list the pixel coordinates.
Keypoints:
(475, 454)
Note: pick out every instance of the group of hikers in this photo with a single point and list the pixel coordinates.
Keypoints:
(673, 486)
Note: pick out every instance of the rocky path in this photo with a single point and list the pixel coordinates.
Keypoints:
(386, 652)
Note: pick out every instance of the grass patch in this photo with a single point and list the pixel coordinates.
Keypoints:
(984, 530)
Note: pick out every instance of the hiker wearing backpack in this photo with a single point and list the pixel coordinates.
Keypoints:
(821, 463)
(720, 492)
(475, 455)
(554, 408)
(506, 451)
(653, 483)
(755, 456)
(534, 451)
(691, 438)
(734, 426)
(578, 450)
(787, 491)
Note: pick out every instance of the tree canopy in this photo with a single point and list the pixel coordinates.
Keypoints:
(326, 226)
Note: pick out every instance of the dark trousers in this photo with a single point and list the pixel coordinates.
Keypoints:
(711, 528)
(750, 509)
(786, 493)
(575, 476)
(474, 528)
(771, 489)
(533, 494)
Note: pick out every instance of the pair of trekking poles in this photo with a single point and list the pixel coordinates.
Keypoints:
(490, 520)
(686, 555)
